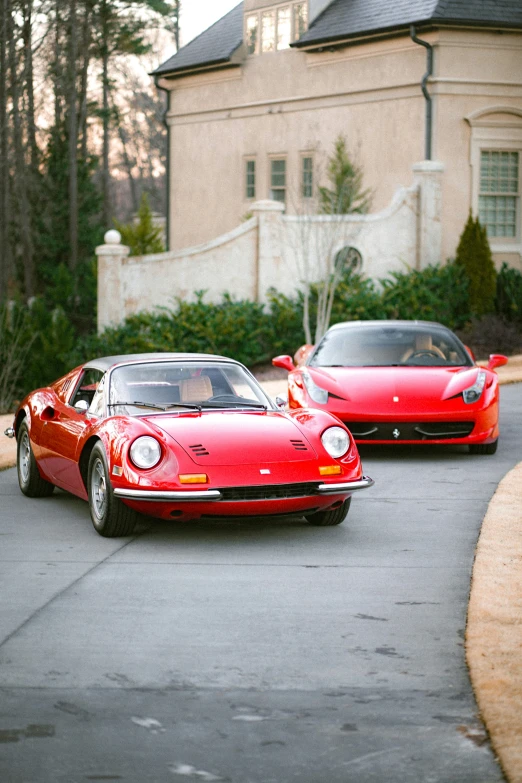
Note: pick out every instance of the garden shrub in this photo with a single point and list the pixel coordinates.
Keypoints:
(509, 294)
(435, 293)
(474, 256)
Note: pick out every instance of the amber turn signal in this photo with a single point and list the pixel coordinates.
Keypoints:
(193, 478)
(330, 470)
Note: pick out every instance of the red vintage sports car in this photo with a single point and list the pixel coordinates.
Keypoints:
(181, 436)
(399, 382)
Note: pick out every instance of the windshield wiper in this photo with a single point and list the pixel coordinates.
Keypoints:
(238, 404)
(139, 404)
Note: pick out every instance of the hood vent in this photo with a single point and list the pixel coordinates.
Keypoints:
(199, 450)
(299, 445)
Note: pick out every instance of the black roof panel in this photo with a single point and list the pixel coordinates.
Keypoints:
(346, 18)
(214, 46)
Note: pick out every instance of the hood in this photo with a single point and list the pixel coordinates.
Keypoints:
(229, 437)
(380, 385)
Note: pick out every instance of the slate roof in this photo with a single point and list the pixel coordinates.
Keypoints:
(215, 46)
(350, 18)
(344, 19)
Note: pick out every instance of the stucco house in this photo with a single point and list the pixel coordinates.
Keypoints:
(258, 99)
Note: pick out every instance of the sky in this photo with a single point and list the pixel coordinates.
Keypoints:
(197, 15)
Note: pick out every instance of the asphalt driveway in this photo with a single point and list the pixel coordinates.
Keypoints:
(251, 651)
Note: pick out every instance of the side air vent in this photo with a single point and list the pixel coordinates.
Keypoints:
(199, 450)
(299, 445)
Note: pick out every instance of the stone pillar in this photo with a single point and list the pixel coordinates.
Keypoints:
(269, 243)
(428, 176)
(111, 257)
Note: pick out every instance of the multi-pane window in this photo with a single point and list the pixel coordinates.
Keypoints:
(499, 192)
(268, 31)
(300, 20)
(250, 171)
(284, 27)
(252, 34)
(275, 28)
(307, 176)
(278, 179)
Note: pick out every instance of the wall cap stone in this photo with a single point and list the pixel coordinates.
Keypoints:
(267, 205)
(428, 167)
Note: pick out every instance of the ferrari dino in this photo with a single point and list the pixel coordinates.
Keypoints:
(399, 382)
(181, 436)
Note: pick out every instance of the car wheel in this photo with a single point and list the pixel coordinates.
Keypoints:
(111, 518)
(29, 479)
(484, 448)
(333, 517)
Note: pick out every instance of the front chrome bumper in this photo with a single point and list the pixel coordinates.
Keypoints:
(201, 495)
(348, 486)
(10, 432)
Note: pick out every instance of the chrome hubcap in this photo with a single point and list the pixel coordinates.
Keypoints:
(24, 457)
(99, 489)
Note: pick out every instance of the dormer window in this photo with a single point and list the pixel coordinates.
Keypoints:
(274, 29)
(268, 31)
(252, 34)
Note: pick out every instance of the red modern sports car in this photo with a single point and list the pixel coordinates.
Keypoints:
(181, 436)
(399, 382)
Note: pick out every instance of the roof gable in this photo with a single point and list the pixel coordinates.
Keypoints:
(343, 19)
(351, 18)
(214, 46)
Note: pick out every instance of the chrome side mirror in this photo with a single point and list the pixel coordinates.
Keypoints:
(82, 406)
(281, 401)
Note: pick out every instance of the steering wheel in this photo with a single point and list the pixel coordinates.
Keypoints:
(223, 397)
(426, 352)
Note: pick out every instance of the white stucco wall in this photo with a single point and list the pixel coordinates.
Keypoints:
(276, 250)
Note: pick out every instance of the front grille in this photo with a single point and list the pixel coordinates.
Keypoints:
(409, 430)
(270, 492)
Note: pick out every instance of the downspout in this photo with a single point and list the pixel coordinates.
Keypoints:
(167, 179)
(429, 72)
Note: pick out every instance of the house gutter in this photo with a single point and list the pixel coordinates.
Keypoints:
(167, 178)
(429, 72)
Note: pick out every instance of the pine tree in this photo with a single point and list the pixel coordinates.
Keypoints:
(346, 194)
(142, 236)
(474, 255)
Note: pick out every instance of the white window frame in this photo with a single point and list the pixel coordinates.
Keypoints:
(272, 159)
(307, 156)
(291, 5)
(249, 159)
(504, 134)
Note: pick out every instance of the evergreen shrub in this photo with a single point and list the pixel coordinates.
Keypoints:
(435, 293)
(509, 294)
(474, 256)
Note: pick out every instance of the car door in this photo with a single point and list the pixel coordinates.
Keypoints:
(64, 427)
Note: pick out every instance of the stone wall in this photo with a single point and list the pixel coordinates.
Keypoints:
(275, 250)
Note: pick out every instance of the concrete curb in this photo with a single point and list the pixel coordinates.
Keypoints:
(494, 626)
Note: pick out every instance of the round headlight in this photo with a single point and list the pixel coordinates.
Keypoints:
(145, 452)
(336, 441)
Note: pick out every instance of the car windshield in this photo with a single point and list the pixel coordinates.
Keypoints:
(390, 345)
(139, 389)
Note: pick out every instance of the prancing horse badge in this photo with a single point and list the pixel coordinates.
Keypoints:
(396, 433)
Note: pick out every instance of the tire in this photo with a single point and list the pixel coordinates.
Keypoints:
(327, 518)
(29, 479)
(111, 518)
(484, 448)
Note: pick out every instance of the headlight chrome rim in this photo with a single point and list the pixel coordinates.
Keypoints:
(316, 392)
(336, 442)
(145, 452)
(474, 392)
